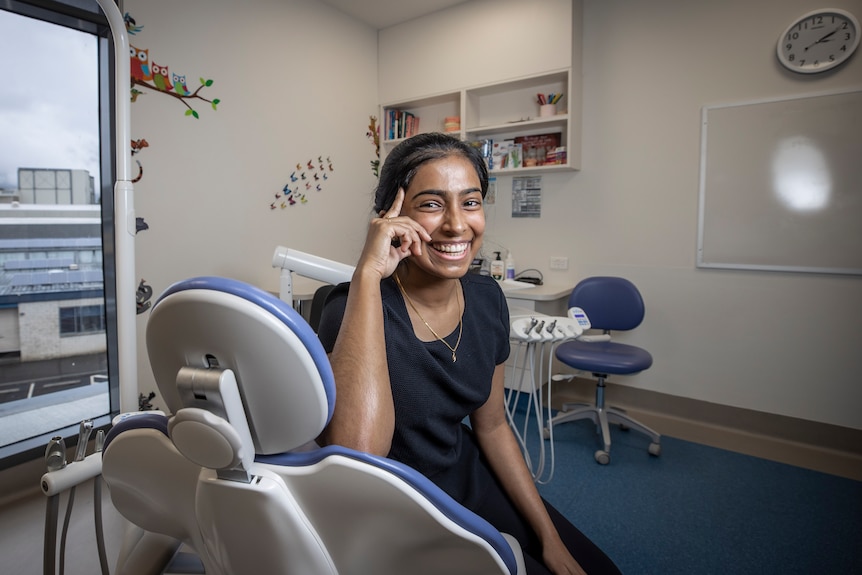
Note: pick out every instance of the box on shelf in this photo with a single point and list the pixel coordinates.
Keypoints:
(500, 154)
(556, 156)
(536, 149)
(516, 156)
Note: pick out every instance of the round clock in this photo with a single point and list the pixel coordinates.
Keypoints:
(818, 41)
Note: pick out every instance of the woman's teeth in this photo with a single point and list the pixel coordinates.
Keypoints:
(451, 248)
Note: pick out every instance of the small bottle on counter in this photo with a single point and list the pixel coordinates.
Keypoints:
(498, 268)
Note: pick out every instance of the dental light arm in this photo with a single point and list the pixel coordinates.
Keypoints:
(124, 215)
(309, 266)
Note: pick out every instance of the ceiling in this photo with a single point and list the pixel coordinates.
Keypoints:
(384, 13)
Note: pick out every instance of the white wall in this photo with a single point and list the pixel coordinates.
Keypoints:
(775, 342)
(474, 43)
(296, 80)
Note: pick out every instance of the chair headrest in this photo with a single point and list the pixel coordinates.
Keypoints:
(283, 374)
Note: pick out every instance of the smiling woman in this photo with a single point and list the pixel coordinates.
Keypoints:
(57, 310)
(418, 344)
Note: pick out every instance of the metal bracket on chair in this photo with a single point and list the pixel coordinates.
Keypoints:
(215, 390)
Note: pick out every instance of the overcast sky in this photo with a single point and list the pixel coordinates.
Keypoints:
(49, 113)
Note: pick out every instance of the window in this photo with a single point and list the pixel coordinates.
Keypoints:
(58, 350)
(82, 320)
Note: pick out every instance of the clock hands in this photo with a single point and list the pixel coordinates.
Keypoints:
(823, 39)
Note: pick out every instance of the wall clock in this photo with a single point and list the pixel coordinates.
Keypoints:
(818, 41)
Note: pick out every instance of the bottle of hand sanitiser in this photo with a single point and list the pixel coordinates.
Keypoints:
(497, 267)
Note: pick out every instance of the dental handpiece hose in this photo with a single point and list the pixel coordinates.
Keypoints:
(84, 431)
(97, 507)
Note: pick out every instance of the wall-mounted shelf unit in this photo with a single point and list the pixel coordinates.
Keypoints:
(499, 111)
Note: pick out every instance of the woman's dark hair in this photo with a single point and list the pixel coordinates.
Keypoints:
(406, 158)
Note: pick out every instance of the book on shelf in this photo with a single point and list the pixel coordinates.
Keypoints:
(401, 124)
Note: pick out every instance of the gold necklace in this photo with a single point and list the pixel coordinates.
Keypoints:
(431, 329)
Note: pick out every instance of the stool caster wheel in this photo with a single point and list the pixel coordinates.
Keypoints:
(602, 457)
(655, 449)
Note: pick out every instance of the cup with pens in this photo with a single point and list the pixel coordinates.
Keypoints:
(548, 104)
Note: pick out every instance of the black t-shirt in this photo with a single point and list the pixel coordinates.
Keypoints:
(432, 394)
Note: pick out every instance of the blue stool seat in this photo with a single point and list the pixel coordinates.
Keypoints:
(604, 357)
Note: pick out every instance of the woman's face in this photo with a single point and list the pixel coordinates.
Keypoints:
(445, 198)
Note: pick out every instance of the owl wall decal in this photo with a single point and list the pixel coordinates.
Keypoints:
(161, 77)
(179, 83)
(140, 64)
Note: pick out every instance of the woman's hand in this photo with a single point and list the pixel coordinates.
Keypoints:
(558, 559)
(391, 238)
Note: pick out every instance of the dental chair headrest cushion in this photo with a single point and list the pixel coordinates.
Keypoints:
(282, 371)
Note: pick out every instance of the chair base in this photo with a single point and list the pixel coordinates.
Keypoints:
(602, 417)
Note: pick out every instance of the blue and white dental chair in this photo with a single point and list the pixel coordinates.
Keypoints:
(234, 473)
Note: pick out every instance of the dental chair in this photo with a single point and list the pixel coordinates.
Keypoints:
(234, 473)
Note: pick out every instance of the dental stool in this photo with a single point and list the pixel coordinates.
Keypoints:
(612, 304)
(235, 475)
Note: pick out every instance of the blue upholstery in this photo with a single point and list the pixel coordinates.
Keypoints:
(144, 421)
(606, 357)
(611, 303)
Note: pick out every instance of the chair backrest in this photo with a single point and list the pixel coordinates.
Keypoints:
(215, 344)
(317, 304)
(611, 303)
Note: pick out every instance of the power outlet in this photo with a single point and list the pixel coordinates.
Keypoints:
(559, 263)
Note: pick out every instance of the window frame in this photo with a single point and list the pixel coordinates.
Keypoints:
(85, 16)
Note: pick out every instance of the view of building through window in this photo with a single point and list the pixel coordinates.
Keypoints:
(53, 337)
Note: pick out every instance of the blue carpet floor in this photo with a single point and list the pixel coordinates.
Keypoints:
(698, 510)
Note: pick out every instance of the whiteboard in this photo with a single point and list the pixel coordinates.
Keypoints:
(781, 185)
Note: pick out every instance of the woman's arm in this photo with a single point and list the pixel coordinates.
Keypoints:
(498, 443)
(364, 416)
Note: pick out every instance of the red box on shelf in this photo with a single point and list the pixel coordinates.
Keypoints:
(536, 149)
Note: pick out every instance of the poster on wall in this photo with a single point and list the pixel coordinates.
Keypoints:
(527, 197)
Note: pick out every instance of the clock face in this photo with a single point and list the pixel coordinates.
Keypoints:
(818, 41)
